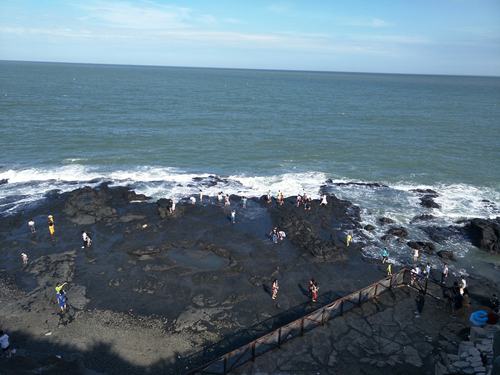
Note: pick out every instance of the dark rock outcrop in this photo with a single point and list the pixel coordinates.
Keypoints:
(423, 217)
(352, 183)
(313, 231)
(164, 205)
(426, 247)
(428, 202)
(369, 227)
(385, 220)
(397, 232)
(446, 254)
(441, 234)
(4, 181)
(485, 234)
(429, 192)
(90, 205)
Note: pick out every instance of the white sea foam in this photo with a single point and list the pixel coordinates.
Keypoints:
(398, 201)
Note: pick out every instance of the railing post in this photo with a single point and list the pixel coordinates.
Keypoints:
(342, 307)
(253, 351)
(225, 365)
(279, 338)
(302, 327)
(359, 298)
(376, 287)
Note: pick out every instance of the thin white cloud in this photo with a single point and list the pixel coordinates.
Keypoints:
(375, 23)
(279, 8)
(145, 16)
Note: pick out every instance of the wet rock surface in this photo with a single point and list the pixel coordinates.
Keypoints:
(485, 234)
(157, 286)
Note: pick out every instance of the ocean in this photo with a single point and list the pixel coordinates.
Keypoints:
(165, 130)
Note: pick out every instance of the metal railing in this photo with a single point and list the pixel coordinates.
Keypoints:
(220, 358)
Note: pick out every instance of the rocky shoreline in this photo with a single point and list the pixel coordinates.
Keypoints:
(157, 286)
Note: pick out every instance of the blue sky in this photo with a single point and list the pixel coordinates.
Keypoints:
(393, 36)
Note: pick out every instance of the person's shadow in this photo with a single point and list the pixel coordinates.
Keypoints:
(304, 291)
(267, 289)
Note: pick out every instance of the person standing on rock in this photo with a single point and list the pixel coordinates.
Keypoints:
(233, 216)
(427, 270)
(227, 202)
(201, 196)
(444, 273)
(4, 343)
(86, 240)
(269, 197)
(31, 225)
(61, 301)
(244, 202)
(313, 290)
(24, 259)
(275, 288)
(348, 238)
(172, 207)
(324, 201)
(415, 255)
(385, 255)
(463, 286)
(52, 227)
(280, 198)
(389, 269)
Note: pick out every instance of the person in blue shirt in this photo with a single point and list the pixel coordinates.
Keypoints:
(61, 300)
(385, 255)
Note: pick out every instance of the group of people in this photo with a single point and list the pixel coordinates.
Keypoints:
(86, 240)
(306, 201)
(277, 235)
(313, 289)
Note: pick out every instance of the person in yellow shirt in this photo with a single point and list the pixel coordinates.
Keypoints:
(52, 228)
(348, 239)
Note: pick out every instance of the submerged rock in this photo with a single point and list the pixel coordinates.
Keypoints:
(446, 254)
(428, 201)
(385, 220)
(369, 227)
(4, 181)
(485, 234)
(397, 232)
(423, 217)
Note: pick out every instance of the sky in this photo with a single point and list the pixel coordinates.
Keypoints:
(388, 36)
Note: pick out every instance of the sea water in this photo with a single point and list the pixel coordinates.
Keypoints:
(169, 132)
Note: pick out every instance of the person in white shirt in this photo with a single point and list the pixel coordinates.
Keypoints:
(31, 225)
(323, 201)
(192, 200)
(463, 285)
(24, 258)
(444, 274)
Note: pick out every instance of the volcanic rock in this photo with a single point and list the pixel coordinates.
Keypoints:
(485, 234)
(164, 207)
(397, 232)
(426, 247)
(423, 217)
(385, 220)
(88, 205)
(428, 201)
(369, 227)
(446, 254)
(4, 181)
(429, 192)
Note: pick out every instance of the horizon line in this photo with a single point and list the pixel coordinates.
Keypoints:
(240, 68)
